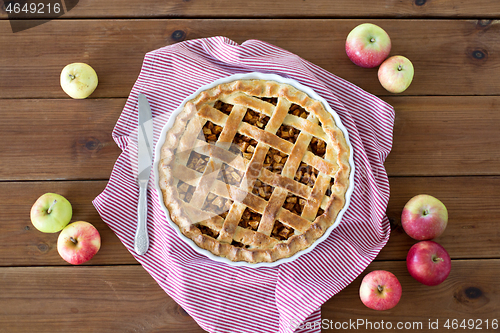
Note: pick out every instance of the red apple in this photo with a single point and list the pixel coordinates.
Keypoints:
(424, 217)
(78, 242)
(428, 263)
(380, 290)
(395, 74)
(367, 45)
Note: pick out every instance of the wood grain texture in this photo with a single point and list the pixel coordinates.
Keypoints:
(127, 299)
(445, 136)
(23, 245)
(472, 231)
(459, 58)
(58, 139)
(53, 144)
(71, 139)
(291, 8)
(87, 299)
(473, 215)
(465, 294)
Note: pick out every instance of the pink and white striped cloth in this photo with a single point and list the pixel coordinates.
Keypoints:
(223, 298)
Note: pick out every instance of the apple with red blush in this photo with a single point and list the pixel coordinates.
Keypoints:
(424, 217)
(78, 242)
(396, 74)
(380, 290)
(367, 45)
(428, 263)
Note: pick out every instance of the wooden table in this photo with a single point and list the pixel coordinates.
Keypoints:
(446, 143)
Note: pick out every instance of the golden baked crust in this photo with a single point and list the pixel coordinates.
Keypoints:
(254, 170)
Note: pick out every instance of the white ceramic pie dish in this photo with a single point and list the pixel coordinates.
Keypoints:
(253, 76)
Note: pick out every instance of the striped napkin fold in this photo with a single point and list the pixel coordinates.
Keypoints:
(224, 298)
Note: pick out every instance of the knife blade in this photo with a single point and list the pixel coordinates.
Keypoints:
(144, 159)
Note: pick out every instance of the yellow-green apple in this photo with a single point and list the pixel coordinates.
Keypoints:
(78, 80)
(428, 262)
(424, 217)
(380, 290)
(78, 242)
(395, 74)
(51, 212)
(367, 45)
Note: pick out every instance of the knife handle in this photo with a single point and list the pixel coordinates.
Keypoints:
(141, 240)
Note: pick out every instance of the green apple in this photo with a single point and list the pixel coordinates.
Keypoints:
(51, 212)
(78, 242)
(78, 80)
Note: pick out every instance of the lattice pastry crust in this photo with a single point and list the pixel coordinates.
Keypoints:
(254, 170)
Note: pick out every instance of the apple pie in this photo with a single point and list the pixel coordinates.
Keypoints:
(254, 170)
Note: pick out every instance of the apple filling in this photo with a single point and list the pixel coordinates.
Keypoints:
(275, 160)
(238, 244)
(185, 191)
(229, 175)
(281, 231)
(288, 133)
(298, 111)
(306, 174)
(223, 107)
(320, 212)
(256, 119)
(250, 219)
(294, 204)
(244, 145)
(207, 231)
(317, 147)
(262, 190)
(218, 205)
(197, 161)
(272, 100)
(329, 190)
(327, 193)
(210, 132)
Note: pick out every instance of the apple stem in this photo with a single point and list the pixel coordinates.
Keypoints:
(71, 76)
(73, 240)
(372, 40)
(400, 67)
(437, 259)
(380, 288)
(51, 206)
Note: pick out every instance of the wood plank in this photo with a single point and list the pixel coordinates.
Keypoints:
(451, 57)
(293, 8)
(58, 139)
(126, 298)
(472, 232)
(23, 245)
(87, 299)
(473, 212)
(71, 139)
(465, 294)
(445, 136)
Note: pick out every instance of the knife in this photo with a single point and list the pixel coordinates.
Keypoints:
(145, 156)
